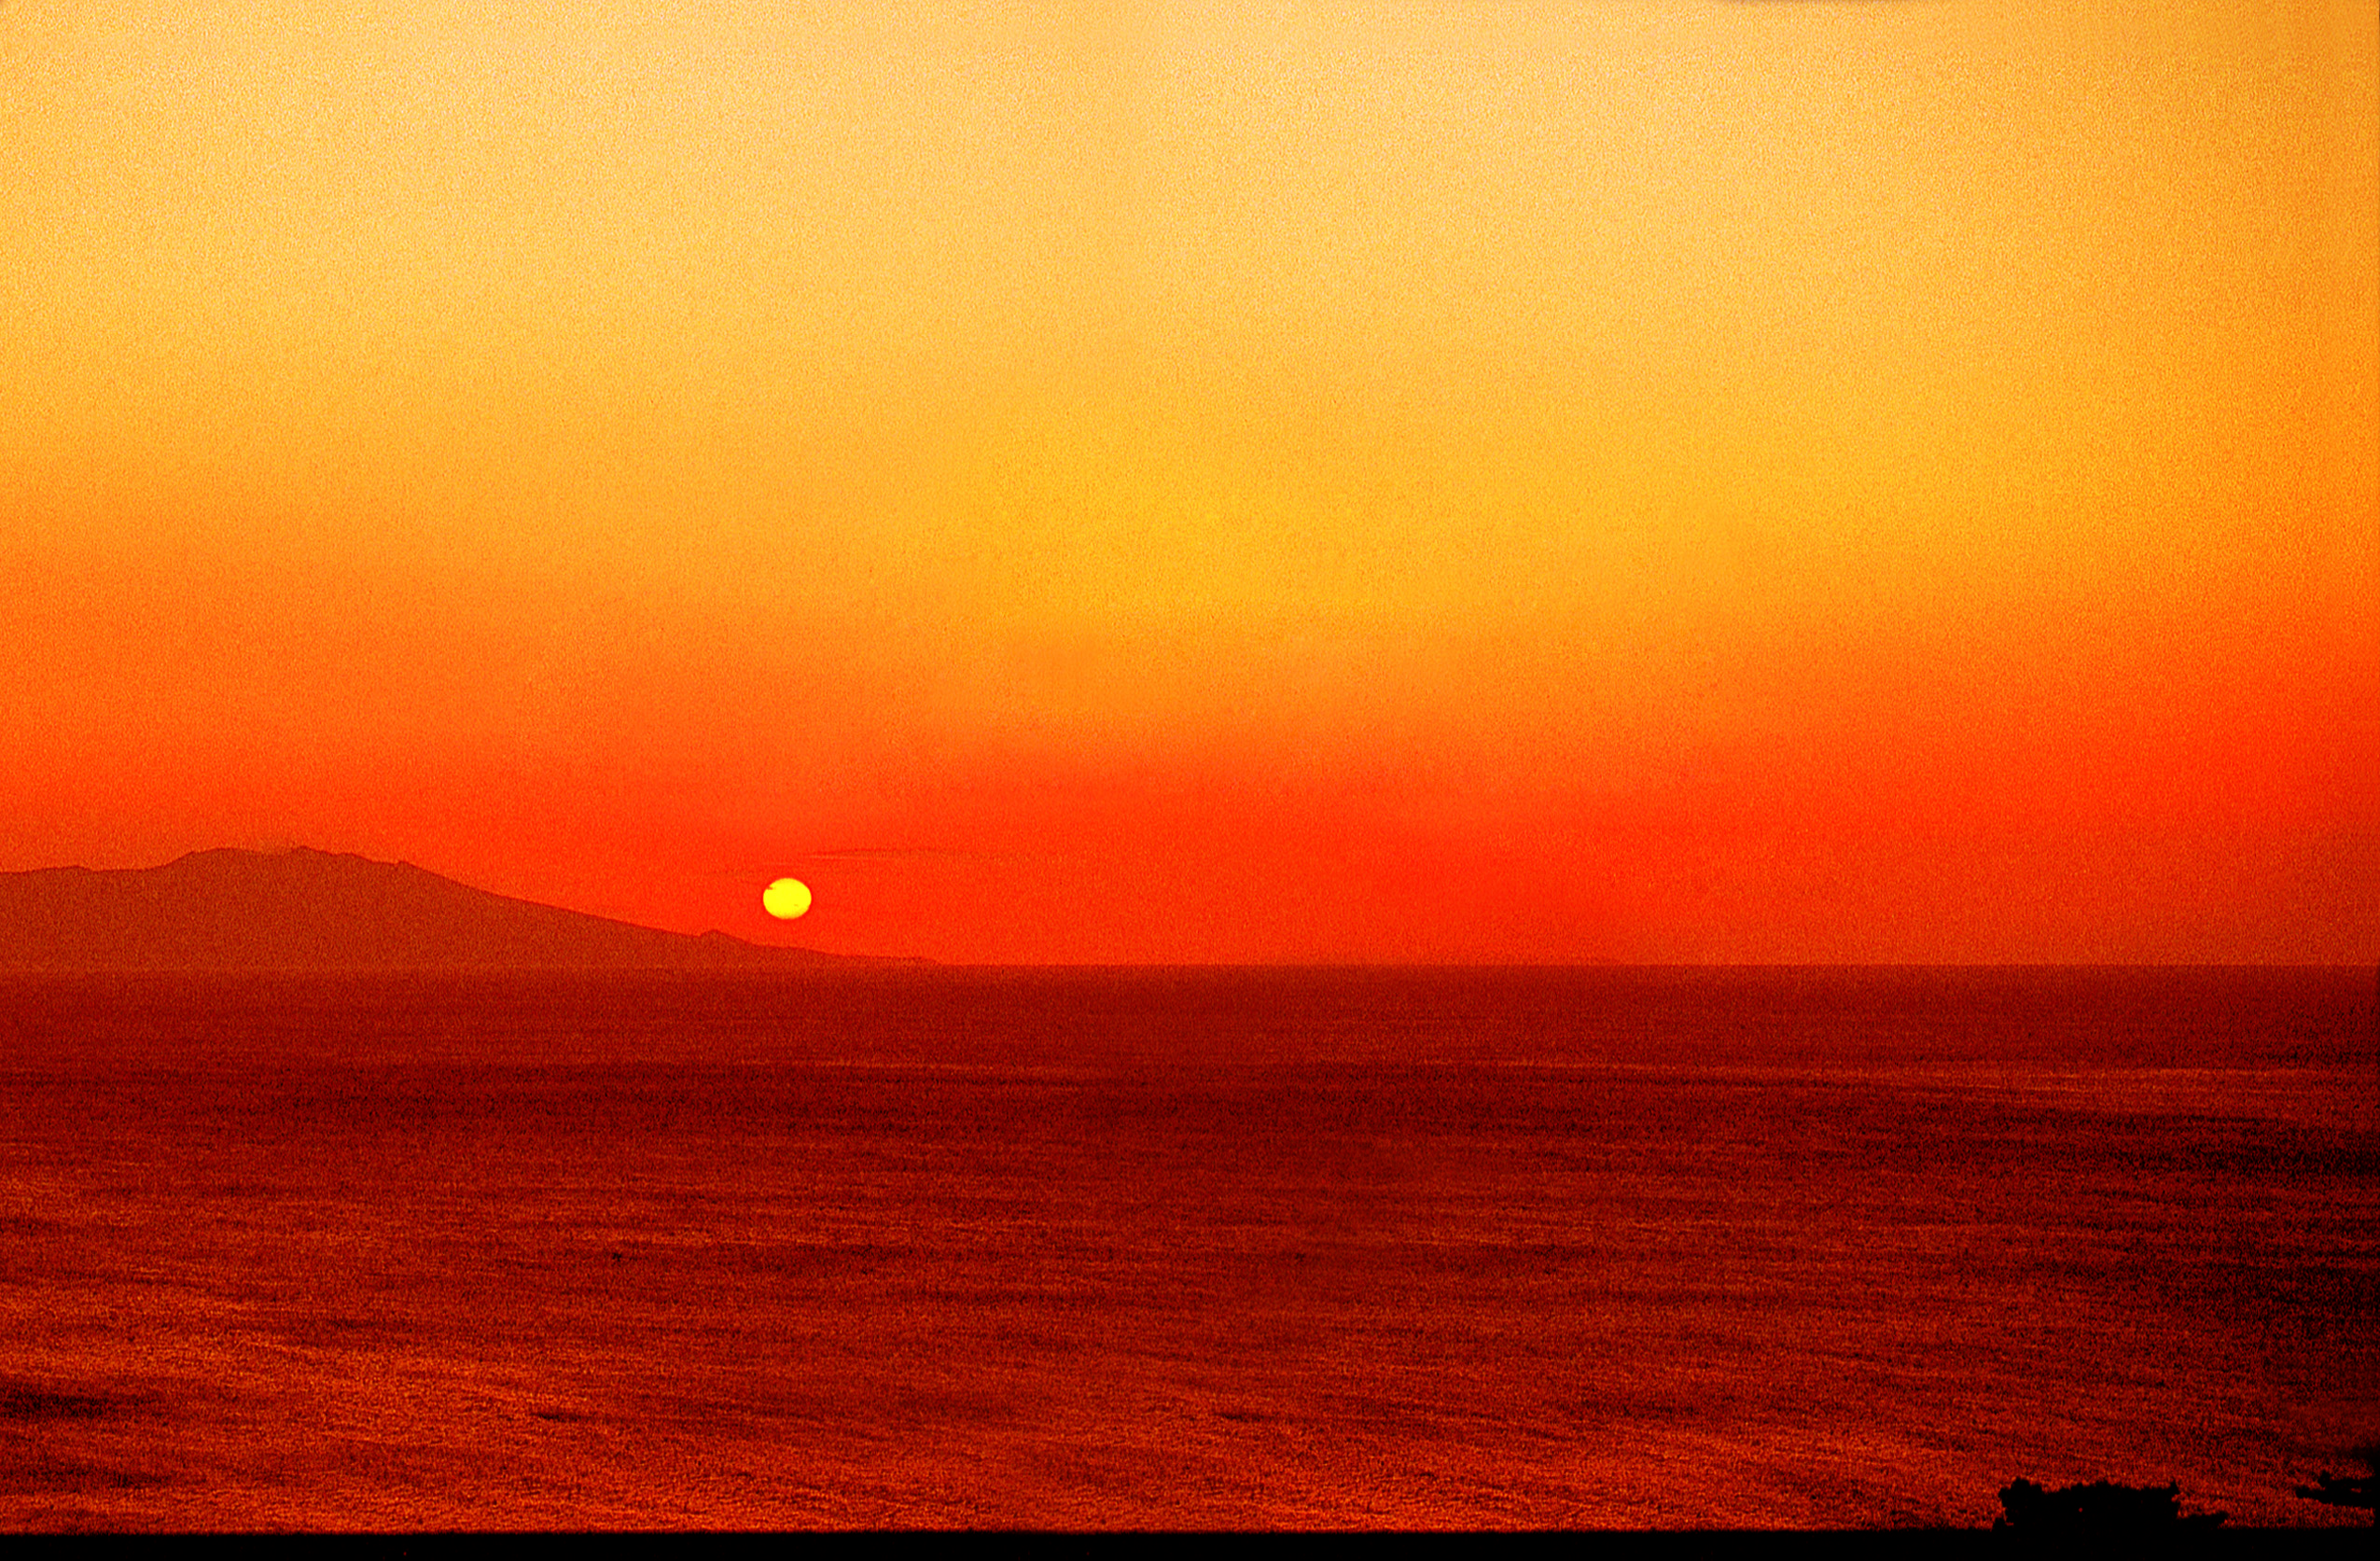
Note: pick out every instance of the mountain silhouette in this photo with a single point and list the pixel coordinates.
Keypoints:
(301, 910)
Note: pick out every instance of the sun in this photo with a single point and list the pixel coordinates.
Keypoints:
(786, 899)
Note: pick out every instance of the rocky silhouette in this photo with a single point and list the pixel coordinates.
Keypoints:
(2356, 1492)
(302, 909)
(2100, 1507)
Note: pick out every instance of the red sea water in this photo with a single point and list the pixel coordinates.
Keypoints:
(1181, 1247)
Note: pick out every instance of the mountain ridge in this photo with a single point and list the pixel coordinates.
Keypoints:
(228, 909)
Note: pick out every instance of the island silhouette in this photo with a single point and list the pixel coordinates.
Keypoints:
(305, 910)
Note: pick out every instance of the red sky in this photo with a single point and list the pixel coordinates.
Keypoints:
(1640, 481)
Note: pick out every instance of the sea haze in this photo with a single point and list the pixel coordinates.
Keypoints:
(1180, 1247)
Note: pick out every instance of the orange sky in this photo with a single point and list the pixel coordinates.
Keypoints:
(1635, 479)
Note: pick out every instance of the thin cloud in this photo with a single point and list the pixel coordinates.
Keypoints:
(925, 853)
(890, 854)
(886, 854)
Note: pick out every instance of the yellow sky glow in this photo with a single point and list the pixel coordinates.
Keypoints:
(1815, 480)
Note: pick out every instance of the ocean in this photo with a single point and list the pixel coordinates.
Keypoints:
(1181, 1247)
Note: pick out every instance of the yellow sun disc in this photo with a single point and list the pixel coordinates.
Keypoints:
(786, 899)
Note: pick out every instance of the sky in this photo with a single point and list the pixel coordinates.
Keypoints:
(1665, 481)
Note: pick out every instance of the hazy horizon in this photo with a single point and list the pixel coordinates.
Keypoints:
(894, 959)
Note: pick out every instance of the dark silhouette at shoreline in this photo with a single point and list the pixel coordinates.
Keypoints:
(2100, 1507)
(2350, 1491)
